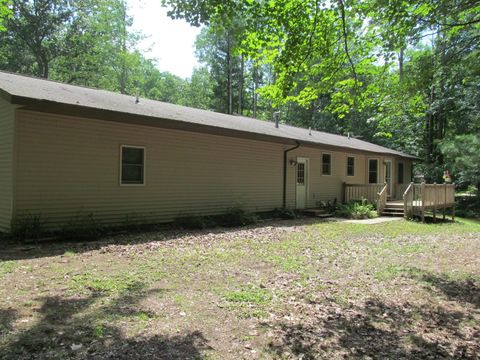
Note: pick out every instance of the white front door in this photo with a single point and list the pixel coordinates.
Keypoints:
(388, 176)
(301, 179)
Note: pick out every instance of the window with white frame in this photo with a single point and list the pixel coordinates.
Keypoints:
(326, 164)
(132, 165)
(350, 166)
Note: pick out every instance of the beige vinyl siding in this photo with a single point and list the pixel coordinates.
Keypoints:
(71, 165)
(407, 177)
(7, 130)
(324, 187)
(330, 187)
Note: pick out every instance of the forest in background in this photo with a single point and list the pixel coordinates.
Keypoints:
(400, 74)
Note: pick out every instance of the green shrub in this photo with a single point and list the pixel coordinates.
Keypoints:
(30, 226)
(194, 222)
(329, 207)
(285, 213)
(237, 216)
(82, 226)
(468, 206)
(356, 210)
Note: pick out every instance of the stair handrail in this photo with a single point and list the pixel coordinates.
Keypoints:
(406, 195)
(382, 199)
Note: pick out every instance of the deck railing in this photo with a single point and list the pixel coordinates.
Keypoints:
(362, 191)
(382, 199)
(421, 197)
(408, 201)
(417, 198)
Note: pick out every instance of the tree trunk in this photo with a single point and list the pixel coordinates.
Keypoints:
(229, 76)
(123, 64)
(42, 66)
(400, 64)
(255, 79)
(240, 87)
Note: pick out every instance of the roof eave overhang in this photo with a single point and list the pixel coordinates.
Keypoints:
(142, 120)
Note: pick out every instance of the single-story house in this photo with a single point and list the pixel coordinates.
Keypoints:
(68, 149)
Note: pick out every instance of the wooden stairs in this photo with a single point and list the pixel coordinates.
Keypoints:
(394, 209)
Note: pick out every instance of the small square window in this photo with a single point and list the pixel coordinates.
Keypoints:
(350, 166)
(133, 165)
(326, 164)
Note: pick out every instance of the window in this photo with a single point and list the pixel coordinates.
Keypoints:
(133, 165)
(326, 164)
(301, 174)
(400, 173)
(350, 166)
(372, 171)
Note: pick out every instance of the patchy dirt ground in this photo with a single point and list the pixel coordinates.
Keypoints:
(304, 289)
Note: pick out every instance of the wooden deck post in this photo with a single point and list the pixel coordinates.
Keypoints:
(454, 204)
(344, 189)
(444, 200)
(434, 202)
(422, 198)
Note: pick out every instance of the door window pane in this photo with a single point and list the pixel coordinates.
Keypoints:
(301, 173)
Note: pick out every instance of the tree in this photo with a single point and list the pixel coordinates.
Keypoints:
(462, 157)
(216, 48)
(200, 89)
(5, 13)
(39, 27)
(403, 74)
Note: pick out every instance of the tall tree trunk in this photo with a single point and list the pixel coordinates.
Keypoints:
(255, 80)
(229, 76)
(240, 87)
(430, 126)
(42, 64)
(123, 64)
(400, 64)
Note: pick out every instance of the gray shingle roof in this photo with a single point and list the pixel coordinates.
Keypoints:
(17, 86)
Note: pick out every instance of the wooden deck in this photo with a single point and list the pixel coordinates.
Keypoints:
(418, 199)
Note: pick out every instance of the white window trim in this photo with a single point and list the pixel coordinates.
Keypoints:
(354, 165)
(331, 163)
(368, 169)
(144, 165)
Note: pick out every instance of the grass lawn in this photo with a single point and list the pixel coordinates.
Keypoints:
(299, 289)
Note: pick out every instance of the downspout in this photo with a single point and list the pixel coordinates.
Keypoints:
(285, 152)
